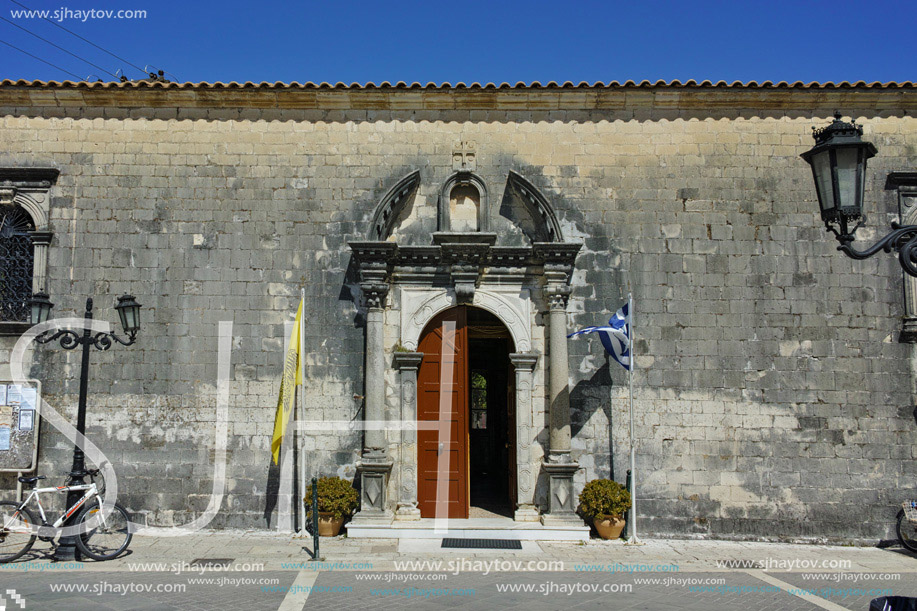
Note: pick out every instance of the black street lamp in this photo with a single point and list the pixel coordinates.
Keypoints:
(129, 312)
(838, 162)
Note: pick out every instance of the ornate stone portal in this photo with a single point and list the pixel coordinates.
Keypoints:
(465, 268)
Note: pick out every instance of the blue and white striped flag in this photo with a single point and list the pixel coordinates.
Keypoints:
(615, 337)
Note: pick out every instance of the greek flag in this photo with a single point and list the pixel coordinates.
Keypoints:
(615, 337)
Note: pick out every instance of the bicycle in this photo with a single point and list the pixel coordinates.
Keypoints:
(906, 526)
(99, 538)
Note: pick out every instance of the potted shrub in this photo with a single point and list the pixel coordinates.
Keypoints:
(336, 501)
(605, 501)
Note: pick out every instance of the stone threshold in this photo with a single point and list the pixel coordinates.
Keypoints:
(474, 528)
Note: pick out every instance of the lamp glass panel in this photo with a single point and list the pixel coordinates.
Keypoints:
(36, 314)
(861, 176)
(133, 317)
(122, 314)
(821, 164)
(847, 177)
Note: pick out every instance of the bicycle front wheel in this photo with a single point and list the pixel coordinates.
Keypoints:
(907, 532)
(17, 533)
(103, 539)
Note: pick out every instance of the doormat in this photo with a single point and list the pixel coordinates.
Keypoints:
(482, 543)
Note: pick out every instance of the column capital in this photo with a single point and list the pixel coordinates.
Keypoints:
(557, 295)
(373, 260)
(407, 360)
(523, 361)
(374, 294)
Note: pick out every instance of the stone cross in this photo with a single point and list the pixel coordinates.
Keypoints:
(463, 157)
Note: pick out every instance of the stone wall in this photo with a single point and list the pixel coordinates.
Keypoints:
(772, 398)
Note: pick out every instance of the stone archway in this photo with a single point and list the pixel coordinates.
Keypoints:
(466, 268)
(512, 308)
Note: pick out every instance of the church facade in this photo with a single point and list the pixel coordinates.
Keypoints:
(447, 239)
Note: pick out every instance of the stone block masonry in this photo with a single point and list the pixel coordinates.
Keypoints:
(772, 397)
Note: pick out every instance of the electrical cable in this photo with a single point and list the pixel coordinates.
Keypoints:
(81, 38)
(77, 77)
(58, 47)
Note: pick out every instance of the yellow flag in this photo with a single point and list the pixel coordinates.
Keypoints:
(292, 377)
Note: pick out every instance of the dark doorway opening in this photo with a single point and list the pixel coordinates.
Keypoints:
(491, 419)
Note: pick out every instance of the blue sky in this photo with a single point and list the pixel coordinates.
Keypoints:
(496, 41)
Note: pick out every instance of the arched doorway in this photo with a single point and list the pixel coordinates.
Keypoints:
(467, 464)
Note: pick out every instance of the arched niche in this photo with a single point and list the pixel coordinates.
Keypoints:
(464, 185)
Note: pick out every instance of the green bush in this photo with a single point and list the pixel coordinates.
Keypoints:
(602, 498)
(335, 496)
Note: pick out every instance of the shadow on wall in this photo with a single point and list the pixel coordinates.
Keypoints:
(586, 398)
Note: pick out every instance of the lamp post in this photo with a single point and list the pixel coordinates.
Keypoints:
(129, 313)
(838, 162)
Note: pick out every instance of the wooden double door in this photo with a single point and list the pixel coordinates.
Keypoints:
(444, 389)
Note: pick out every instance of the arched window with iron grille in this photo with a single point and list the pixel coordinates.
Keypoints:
(17, 263)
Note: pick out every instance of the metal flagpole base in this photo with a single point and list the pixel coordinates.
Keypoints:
(634, 541)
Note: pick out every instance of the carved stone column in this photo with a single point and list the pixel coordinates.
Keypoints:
(40, 242)
(408, 363)
(524, 365)
(559, 374)
(558, 268)
(906, 185)
(373, 259)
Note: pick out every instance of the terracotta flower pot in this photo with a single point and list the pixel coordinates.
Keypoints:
(328, 526)
(608, 527)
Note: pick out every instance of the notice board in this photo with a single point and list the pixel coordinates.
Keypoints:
(19, 417)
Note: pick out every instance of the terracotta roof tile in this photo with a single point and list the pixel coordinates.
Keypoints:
(473, 86)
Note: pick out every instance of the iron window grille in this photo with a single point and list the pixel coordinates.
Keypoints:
(17, 263)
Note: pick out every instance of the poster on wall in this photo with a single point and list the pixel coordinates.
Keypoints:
(26, 419)
(20, 420)
(29, 397)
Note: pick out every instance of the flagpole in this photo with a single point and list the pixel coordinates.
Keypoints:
(632, 540)
(301, 408)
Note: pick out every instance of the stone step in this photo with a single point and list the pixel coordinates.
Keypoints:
(475, 528)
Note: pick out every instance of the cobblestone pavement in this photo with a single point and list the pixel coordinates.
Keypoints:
(248, 570)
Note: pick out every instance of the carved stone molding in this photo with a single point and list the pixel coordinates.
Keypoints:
(408, 364)
(30, 189)
(374, 475)
(391, 205)
(905, 183)
(420, 305)
(557, 296)
(374, 260)
(538, 206)
(558, 258)
(561, 495)
(465, 254)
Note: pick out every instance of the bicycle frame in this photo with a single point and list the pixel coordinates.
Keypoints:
(91, 491)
